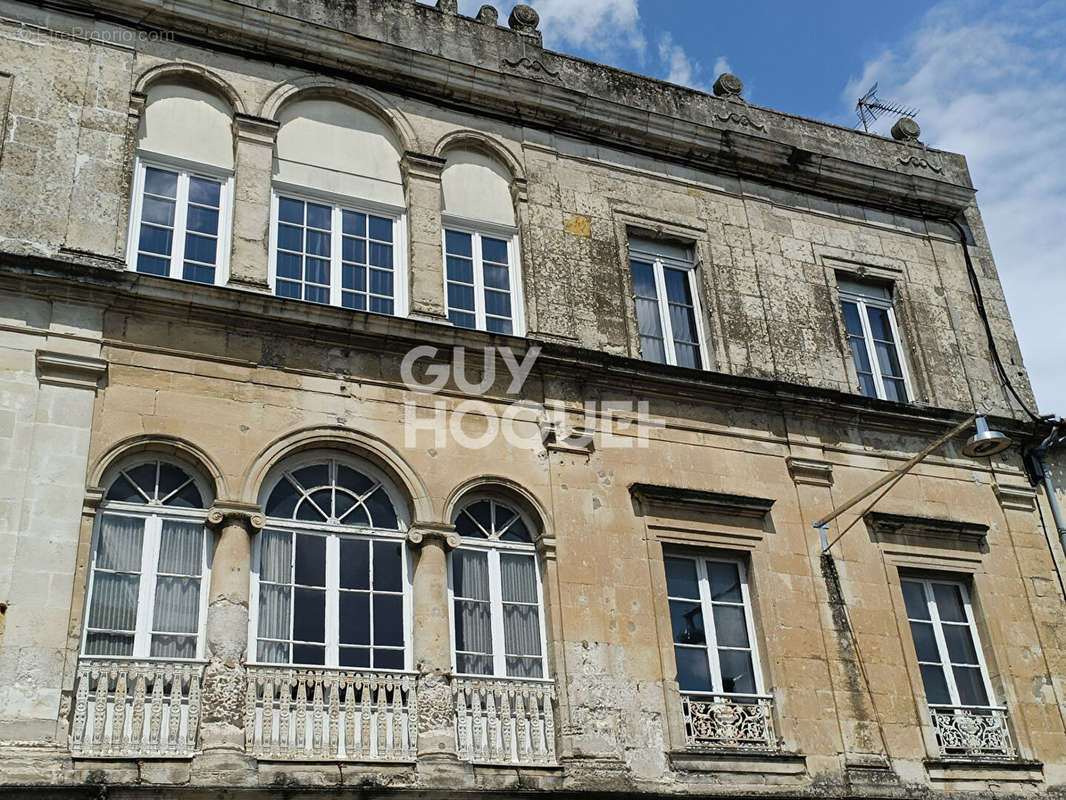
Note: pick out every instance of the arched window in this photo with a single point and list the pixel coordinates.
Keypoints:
(496, 593)
(480, 244)
(182, 188)
(330, 570)
(338, 209)
(150, 559)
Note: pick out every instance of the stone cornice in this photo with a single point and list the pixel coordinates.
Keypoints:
(736, 505)
(93, 280)
(809, 471)
(491, 71)
(907, 525)
(66, 369)
(1017, 498)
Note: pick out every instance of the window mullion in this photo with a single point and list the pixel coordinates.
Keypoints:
(292, 591)
(669, 348)
(143, 621)
(181, 214)
(499, 657)
(335, 258)
(941, 643)
(332, 601)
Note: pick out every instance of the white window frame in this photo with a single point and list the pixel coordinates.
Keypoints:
(494, 550)
(864, 302)
(185, 169)
(153, 516)
(941, 641)
(658, 263)
(710, 648)
(332, 534)
(340, 203)
(514, 270)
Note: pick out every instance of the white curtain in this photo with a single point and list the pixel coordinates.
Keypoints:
(473, 628)
(275, 560)
(521, 615)
(177, 589)
(114, 596)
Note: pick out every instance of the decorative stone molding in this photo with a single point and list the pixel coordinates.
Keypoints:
(577, 442)
(524, 20)
(222, 514)
(488, 15)
(420, 532)
(66, 369)
(736, 505)
(529, 65)
(421, 165)
(546, 546)
(435, 709)
(1016, 498)
(906, 130)
(810, 472)
(448, 6)
(728, 85)
(694, 517)
(256, 130)
(901, 525)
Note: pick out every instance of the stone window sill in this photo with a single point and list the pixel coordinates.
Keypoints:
(738, 761)
(984, 769)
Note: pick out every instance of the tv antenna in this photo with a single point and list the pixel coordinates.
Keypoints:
(870, 108)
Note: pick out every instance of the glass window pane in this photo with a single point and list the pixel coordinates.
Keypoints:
(157, 210)
(177, 605)
(287, 289)
(181, 548)
(460, 297)
(203, 220)
(730, 626)
(867, 386)
(274, 611)
(309, 615)
(688, 355)
(895, 390)
(381, 255)
(516, 531)
(949, 602)
(275, 556)
(200, 248)
(119, 547)
(852, 321)
(887, 360)
(725, 582)
(971, 686)
(282, 500)
(880, 327)
(354, 618)
(353, 278)
(498, 325)
(693, 671)
(353, 250)
(273, 652)
(648, 321)
(161, 182)
(458, 244)
(925, 642)
(494, 250)
(381, 229)
(355, 563)
(473, 664)
(290, 210)
(681, 578)
(289, 266)
(151, 265)
(316, 270)
(155, 240)
(460, 270)
(380, 305)
(310, 560)
(290, 238)
(652, 349)
(936, 687)
(462, 320)
(914, 597)
(518, 578)
(960, 644)
(683, 323)
(308, 654)
(860, 354)
(496, 277)
(385, 658)
(470, 574)
(381, 510)
(198, 273)
(524, 667)
(497, 303)
(677, 286)
(354, 656)
(643, 279)
(108, 644)
(173, 646)
(123, 491)
(388, 620)
(353, 223)
(387, 564)
(381, 282)
(473, 632)
(521, 630)
(114, 604)
(318, 216)
(203, 191)
(687, 622)
(737, 673)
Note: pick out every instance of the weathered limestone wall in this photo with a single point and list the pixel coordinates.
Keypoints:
(49, 368)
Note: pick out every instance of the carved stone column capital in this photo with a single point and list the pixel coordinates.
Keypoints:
(420, 532)
(422, 166)
(257, 130)
(250, 515)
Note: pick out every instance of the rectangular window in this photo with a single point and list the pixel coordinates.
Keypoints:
(333, 255)
(331, 600)
(480, 281)
(874, 340)
(179, 223)
(668, 315)
(946, 642)
(710, 614)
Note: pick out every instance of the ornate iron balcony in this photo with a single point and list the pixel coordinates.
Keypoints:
(505, 720)
(972, 731)
(144, 709)
(322, 714)
(729, 721)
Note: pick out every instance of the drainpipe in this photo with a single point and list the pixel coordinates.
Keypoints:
(1040, 455)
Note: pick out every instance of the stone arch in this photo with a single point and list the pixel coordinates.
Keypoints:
(503, 489)
(361, 97)
(180, 72)
(161, 446)
(480, 142)
(362, 445)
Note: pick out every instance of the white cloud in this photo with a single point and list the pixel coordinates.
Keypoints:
(680, 68)
(596, 27)
(721, 65)
(990, 82)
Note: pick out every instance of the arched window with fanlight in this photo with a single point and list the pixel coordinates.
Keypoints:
(149, 569)
(496, 593)
(330, 570)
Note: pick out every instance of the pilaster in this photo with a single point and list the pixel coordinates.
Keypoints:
(253, 162)
(422, 180)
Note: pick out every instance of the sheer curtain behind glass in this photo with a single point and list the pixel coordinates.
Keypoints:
(274, 597)
(521, 615)
(116, 583)
(177, 589)
(473, 625)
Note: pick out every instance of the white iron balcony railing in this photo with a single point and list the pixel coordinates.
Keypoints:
(729, 721)
(505, 720)
(324, 714)
(135, 708)
(972, 731)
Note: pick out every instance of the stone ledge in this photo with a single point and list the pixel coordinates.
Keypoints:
(67, 369)
(738, 761)
(943, 769)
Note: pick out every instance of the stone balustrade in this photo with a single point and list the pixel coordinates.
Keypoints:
(729, 721)
(136, 708)
(309, 713)
(969, 732)
(505, 721)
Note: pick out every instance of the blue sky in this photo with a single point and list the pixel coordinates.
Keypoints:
(989, 79)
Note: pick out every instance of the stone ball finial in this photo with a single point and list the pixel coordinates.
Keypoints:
(906, 130)
(488, 15)
(523, 19)
(728, 85)
(448, 6)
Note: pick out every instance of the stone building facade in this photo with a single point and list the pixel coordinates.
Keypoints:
(245, 546)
